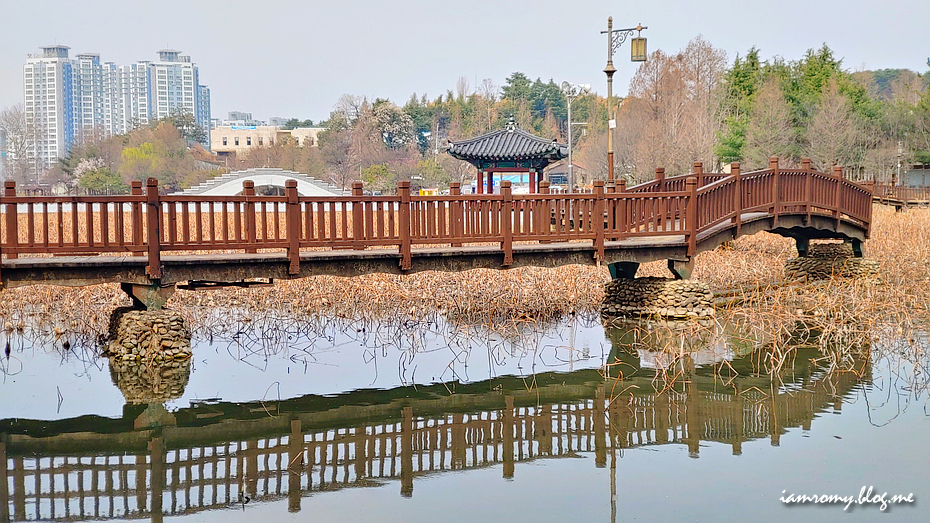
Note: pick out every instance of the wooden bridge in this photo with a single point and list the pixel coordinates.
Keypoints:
(151, 241)
(214, 455)
(901, 197)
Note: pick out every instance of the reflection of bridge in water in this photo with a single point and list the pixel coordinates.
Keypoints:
(153, 463)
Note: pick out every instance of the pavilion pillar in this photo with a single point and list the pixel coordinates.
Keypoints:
(532, 181)
(480, 185)
(490, 182)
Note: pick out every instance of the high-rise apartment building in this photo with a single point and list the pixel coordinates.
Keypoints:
(89, 95)
(69, 99)
(49, 103)
(204, 117)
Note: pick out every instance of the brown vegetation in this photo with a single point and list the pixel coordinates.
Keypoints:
(837, 309)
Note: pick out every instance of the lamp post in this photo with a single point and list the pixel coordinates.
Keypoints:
(615, 38)
(572, 91)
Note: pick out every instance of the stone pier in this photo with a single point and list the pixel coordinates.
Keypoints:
(657, 297)
(150, 355)
(818, 261)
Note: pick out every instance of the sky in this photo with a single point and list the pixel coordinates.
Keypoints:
(295, 59)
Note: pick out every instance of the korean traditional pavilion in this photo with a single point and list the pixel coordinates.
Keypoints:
(508, 150)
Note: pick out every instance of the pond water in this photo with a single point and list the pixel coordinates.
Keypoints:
(424, 420)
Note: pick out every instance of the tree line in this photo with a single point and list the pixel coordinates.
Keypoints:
(682, 107)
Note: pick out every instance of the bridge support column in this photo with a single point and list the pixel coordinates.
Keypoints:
(681, 270)
(623, 269)
(803, 245)
(147, 297)
(856, 247)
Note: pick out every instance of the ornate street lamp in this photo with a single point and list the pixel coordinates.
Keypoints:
(615, 38)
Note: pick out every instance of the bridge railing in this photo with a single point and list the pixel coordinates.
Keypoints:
(679, 209)
(887, 193)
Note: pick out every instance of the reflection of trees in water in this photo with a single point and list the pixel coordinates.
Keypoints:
(253, 338)
(901, 366)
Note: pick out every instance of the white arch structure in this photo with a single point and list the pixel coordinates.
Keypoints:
(230, 184)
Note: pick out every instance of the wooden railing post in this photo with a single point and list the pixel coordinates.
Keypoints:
(691, 188)
(12, 221)
(544, 223)
(403, 191)
(153, 228)
(808, 187)
(248, 190)
(660, 177)
(455, 213)
(136, 216)
(738, 199)
(358, 216)
(292, 219)
(599, 220)
(698, 168)
(838, 174)
(507, 222)
(773, 166)
(620, 222)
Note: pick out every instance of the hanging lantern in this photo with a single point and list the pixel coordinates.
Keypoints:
(638, 49)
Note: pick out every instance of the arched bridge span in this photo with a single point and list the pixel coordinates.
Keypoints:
(230, 184)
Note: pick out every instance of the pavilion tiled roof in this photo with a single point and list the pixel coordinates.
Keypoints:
(508, 144)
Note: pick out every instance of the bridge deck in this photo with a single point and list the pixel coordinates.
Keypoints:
(237, 266)
(151, 238)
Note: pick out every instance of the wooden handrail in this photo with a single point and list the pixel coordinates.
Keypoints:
(680, 205)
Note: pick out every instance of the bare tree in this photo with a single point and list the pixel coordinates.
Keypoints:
(339, 157)
(770, 131)
(20, 135)
(702, 67)
(461, 88)
(833, 130)
(488, 93)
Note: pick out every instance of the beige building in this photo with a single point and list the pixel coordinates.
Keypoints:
(237, 139)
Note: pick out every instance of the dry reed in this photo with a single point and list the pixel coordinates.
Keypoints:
(834, 312)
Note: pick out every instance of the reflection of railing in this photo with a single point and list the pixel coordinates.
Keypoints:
(685, 206)
(179, 470)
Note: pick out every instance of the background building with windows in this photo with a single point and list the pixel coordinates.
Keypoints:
(68, 99)
(228, 140)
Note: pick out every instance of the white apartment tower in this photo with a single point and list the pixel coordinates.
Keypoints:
(174, 84)
(68, 99)
(89, 96)
(49, 100)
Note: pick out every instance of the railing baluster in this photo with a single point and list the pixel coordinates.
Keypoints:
(307, 212)
(45, 225)
(293, 227)
(403, 191)
(154, 225)
(120, 228)
(358, 216)
(185, 223)
(135, 208)
(30, 225)
(506, 218)
(599, 217)
(74, 225)
(691, 188)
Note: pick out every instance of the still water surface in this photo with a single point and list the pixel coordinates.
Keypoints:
(424, 421)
